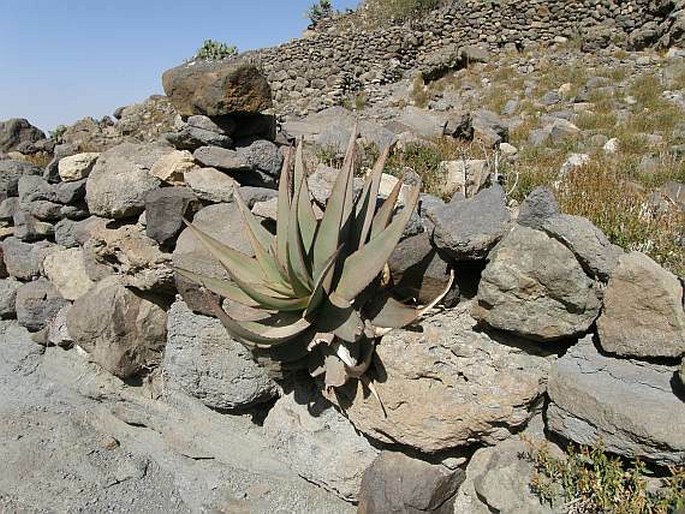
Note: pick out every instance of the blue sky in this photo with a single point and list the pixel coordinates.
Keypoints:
(62, 60)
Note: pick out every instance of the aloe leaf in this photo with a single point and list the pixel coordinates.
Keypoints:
(305, 212)
(260, 240)
(293, 355)
(337, 211)
(283, 271)
(360, 268)
(394, 314)
(236, 263)
(256, 333)
(384, 214)
(366, 204)
(321, 285)
(219, 286)
(389, 313)
(348, 169)
(352, 329)
(283, 210)
(266, 298)
(301, 278)
(280, 289)
(344, 322)
(262, 234)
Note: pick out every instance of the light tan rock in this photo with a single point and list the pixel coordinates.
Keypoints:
(120, 179)
(77, 167)
(66, 269)
(643, 310)
(170, 168)
(210, 184)
(267, 209)
(122, 332)
(464, 176)
(128, 252)
(448, 386)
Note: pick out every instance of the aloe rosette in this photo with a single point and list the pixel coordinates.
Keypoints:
(316, 287)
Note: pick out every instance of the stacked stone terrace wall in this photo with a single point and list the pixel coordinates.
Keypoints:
(340, 59)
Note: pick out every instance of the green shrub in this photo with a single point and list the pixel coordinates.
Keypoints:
(57, 133)
(320, 10)
(212, 50)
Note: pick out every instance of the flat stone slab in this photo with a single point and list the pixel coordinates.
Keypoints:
(631, 406)
(74, 438)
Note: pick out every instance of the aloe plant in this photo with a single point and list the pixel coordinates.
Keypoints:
(316, 288)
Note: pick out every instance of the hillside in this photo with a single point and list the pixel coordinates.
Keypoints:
(277, 355)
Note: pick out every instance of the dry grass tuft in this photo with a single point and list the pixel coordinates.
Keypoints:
(587, 480)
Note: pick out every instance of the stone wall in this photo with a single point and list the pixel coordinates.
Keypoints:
(340, 60)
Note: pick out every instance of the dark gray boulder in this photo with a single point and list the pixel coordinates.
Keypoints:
(252, 194)
(468, 229)
(16, 132)
(29, 228)
(396, 483)
(629, 405)
(263, 156)
(489, 127)
(417, 270)
(498, 479)
(11, 171)
(200, 131)
(165, 209)
(23, 260)
(537, 208)
(534, 286)
(594, 251)
(69, 233)
(37, 303)
(221, 158)
(208, 364)
(216, 88)
(643, 310)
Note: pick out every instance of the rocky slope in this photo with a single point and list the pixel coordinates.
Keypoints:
(120, 390)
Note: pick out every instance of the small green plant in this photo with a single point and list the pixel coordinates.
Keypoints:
(424, 159)
(587, 480)
(320, 10)
(315, 290)
(212, 50)
(57, 133)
